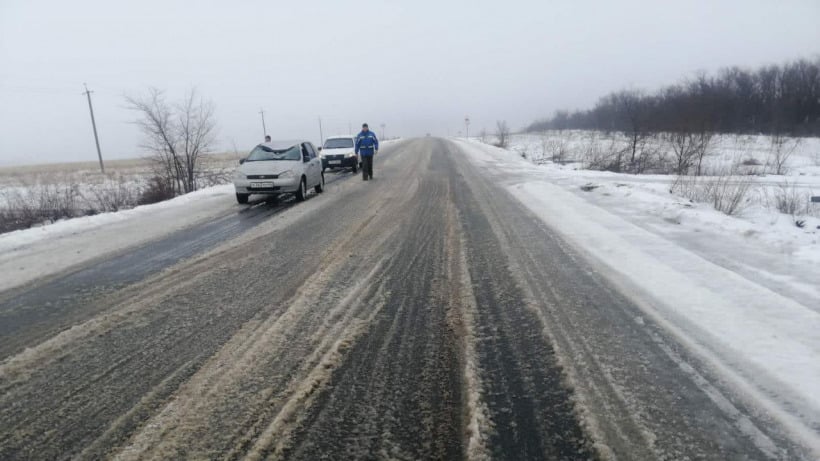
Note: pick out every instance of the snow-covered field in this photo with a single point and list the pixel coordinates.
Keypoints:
(51, 192)
(758, 216)
(742, 291)
(723, 150)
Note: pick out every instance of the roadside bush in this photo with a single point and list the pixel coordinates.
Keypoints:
(727, 192)
(598, 157)
(9, 221)
(58, 201)
(113, 196)
(555, 149)
(649, 159)
(40, 203)
(158, 190)
(790, 200)
(502, 134)
(214, 177)
(780, 151)
(11, 217)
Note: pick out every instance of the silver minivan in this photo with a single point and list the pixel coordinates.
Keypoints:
(279, 167)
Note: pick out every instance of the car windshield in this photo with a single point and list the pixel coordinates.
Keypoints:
(339, 143)
(262, 152)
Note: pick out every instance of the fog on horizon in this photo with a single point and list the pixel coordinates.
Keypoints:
(416, 67)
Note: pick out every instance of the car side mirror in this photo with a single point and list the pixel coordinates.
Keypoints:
(320, 148)
(241, 161)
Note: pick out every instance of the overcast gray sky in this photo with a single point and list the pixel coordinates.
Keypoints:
(416, 66)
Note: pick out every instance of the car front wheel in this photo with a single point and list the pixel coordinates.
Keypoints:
(242, 198)
(302, 192)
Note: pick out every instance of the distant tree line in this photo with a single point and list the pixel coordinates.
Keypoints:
(775, 99)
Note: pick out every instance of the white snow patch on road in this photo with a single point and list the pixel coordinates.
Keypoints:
(28, 254)
(741, 295)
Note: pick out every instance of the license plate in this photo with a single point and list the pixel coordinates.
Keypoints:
(261, 185)
(335, 162)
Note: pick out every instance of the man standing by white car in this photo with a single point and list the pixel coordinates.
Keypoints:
(367, 146)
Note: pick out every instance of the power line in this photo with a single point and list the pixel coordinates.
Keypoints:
(94, 126)
(35, 90)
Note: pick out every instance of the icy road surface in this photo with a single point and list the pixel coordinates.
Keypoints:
(424, 315)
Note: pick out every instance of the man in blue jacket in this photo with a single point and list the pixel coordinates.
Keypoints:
(367, 146)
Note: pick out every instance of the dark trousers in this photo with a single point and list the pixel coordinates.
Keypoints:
(367, 167)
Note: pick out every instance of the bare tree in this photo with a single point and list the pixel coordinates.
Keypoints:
(684, 145)
(650, 156)
(630, 106)
(175, 135)
(782, 148)
(197, 130)
(703, 140)
(502, 133)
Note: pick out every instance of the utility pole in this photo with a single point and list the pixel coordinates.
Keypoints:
(467, 127)
(94, 126)
(383, 125)
(321, 136)
(264, 129)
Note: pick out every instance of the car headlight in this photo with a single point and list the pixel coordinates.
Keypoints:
(352, 154)
(287, 174)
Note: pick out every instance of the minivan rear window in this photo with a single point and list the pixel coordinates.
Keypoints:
(339, 143)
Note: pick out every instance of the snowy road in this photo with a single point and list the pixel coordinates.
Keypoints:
(425, 315)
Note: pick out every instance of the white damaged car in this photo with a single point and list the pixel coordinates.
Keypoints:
(279, 167)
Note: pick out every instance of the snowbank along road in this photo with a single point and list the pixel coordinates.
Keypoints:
(424, 315)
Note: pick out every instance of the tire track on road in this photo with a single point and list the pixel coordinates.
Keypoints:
(528, 401)
(399, 393)
(248, 381)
